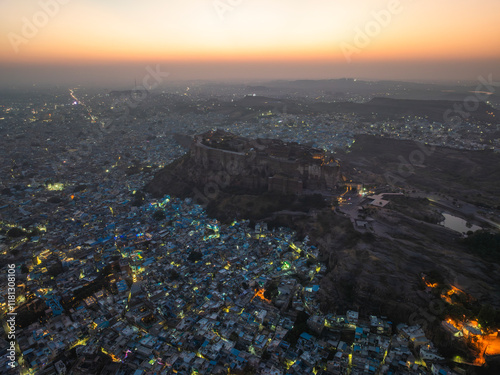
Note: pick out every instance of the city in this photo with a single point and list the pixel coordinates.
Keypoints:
(249, 187)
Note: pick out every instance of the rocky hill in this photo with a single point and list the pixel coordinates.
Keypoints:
(219, 162)
(378, 270)
(464, 174)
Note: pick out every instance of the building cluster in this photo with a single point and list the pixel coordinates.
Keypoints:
(162, 288)
(108, 281)
(337, 131)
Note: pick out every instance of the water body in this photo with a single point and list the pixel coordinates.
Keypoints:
(457, 224)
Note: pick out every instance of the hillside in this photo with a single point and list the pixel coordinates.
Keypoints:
(469, 175)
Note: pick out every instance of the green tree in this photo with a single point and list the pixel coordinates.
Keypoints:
(487, 316)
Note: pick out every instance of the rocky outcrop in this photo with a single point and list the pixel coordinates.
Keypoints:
(219, 161)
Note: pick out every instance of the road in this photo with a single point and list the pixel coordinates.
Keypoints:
(89, 110)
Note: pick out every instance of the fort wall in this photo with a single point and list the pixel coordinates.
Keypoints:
(256, 169)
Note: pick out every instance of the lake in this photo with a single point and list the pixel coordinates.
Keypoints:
(457, 224)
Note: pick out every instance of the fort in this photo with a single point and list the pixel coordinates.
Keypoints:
(266, 164)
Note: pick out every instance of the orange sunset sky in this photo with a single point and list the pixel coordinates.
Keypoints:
(113, 40)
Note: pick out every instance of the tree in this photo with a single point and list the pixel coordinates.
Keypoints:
(159, 215)
(484, 244)
(34, 233)
(434, 276)
(139, 198)
(6, 191)
(55, 269)
(233, 337)
(173, 275)
(267, 294)
(299, 327)
(487, 316)
(271, 290)
(15, 232)
(457, 312)
(195, 256)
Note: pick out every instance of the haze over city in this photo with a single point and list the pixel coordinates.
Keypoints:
(110, 42)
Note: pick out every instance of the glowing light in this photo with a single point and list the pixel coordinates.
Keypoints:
(260, 293)
(428, 283)
(487, 345)
(289, 363)
(294, 247)
(111, 355)
(454, 323)
(55, 187)
(452, 291)
(80, 342)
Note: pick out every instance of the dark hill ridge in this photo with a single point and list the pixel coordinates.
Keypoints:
(378, 108)
(465, 174)
(397, 89)
(252, 106)
(433, 109)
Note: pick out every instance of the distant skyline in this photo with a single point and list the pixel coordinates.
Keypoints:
(112, 42)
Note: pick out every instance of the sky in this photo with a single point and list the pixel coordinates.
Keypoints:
(115, 41)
